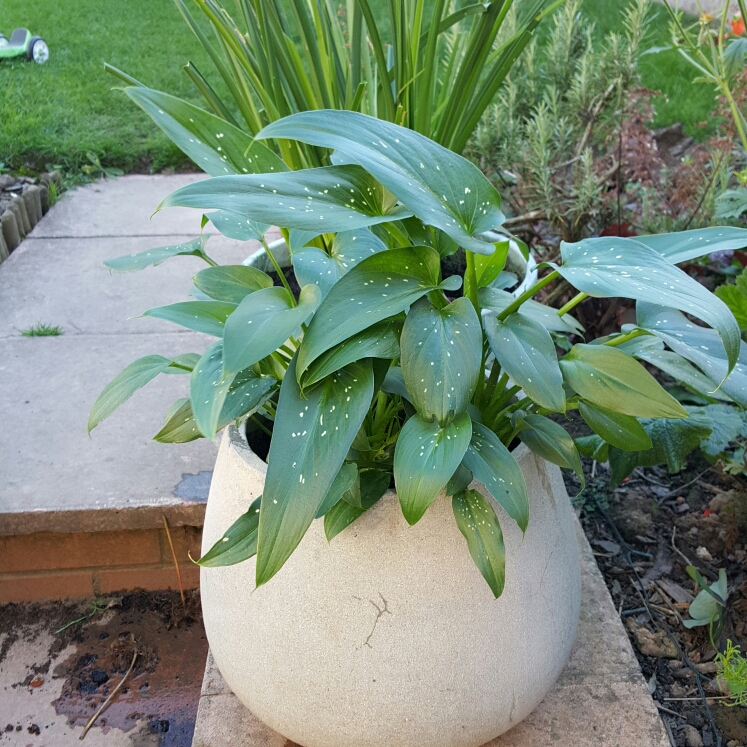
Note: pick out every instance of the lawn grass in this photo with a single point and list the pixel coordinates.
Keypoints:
(52, 114)
(681, 100)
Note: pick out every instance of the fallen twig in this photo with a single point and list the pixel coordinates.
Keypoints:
(677, 550)
(176, 562)
(105, 704)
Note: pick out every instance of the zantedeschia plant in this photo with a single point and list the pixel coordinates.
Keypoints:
(379, 370)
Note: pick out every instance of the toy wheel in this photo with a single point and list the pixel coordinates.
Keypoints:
(38, 51)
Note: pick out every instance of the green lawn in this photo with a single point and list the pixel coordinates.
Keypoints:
(52, 114)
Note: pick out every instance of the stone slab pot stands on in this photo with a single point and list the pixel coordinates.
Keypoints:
(388, 635)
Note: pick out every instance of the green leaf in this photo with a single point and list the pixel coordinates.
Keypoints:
(728, 426)
(494, 466)
(731, 204)
(686, 245)
(310, 440)
(331, 198)
(526, 352)
(379, 287)
(349, 248)
(593, 447)
(699, 345)
(612, 267)
(487, 267)
(425, 457)
(622, 431)
(236, 226)
(441, 355)
(246, 394)
(461, 479)
(201, 316)
(216, 146)
(124, 385)
(610, 379)
(496, 300)
(263, 321)
(231, 283)
(153, 257)
(181, 426)
(477, 521)
(239, 543)
(552, 442)
(344, 480)
(378, 341)
(394, 383)
(440, 187)
(373, 484)
(735, 297)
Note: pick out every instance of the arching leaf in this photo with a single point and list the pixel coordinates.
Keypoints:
(201, 316)
(239, 542)
(231, 283)
(622, 431)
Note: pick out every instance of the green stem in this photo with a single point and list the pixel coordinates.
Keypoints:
(527, 294)
(279, 270)
(624, 338)
(575, 301)
(471, 287)
(207, 259)
(260, 425)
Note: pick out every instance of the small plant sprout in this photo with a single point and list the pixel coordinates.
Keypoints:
(385, 369)
(42, 330)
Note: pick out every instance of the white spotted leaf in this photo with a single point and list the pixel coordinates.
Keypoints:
(550, 441)
(238, 543)
(479, 525)
(440, 187)
(180, 426)
(311, 438)
(201, 316)
(495, 299)
(326, 199)
(425, 457)
(153, 257)
(526, 352)
(493, 465)
(686, 245)
(236, 226)
(627, 268)
(441, 355)
(231, 283)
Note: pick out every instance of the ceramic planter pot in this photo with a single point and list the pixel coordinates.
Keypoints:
(388, 635)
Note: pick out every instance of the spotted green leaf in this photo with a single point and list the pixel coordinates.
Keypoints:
(153, 257)
(526, 352)
(479, 525)
(201, 316)
(231, 283)
(373, 485)
(440, 187)
(380, 287)
(311, 438)
(487, 267)
(215, 145)
(550, 441)
(263, 321)
(441, 355)
(378, 341)
(622, 431)
(239, 543)
(425, 457)
(330, 198)
(494, 466)
(496, 300)
(236, 226)
(626, 267)
(686, 245)
(343, 482)
(180, 426)
(609, 378)
(699, 345)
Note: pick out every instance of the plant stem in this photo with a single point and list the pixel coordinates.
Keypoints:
(575, 301)
(527, 294)
(260, 425)
(624, 338)
(471, 287)
(279, 270)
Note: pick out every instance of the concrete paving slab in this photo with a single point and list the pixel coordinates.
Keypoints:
(120, 207)
(600, 700)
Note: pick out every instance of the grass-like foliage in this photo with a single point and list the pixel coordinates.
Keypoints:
(380, 368)
(42, 330)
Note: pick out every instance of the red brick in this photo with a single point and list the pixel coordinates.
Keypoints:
(150, 579)
(36, 587)
(187, 541)
(58, 551)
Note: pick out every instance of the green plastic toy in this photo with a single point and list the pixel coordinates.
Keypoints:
(21, 43)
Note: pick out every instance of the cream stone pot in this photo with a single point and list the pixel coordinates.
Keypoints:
(389, 635)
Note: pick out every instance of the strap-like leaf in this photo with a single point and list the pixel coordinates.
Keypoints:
(216, 146)
(613, 380)
(347, 475)
(440, 187)
(551, 441)
(373, 485)
(330, 199)
(380, 287)
(236, 226)
(153, 257)
(441, 354)
(622, 431)
(310, 440)
(496, 300)
(201, 316)
(181, 426)
(494, 466)
(477, 521)
(263, 321)
(628, 268)
(239, 543)
(686, 245)
(526, 352)
(425, 457)
(231, 283)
